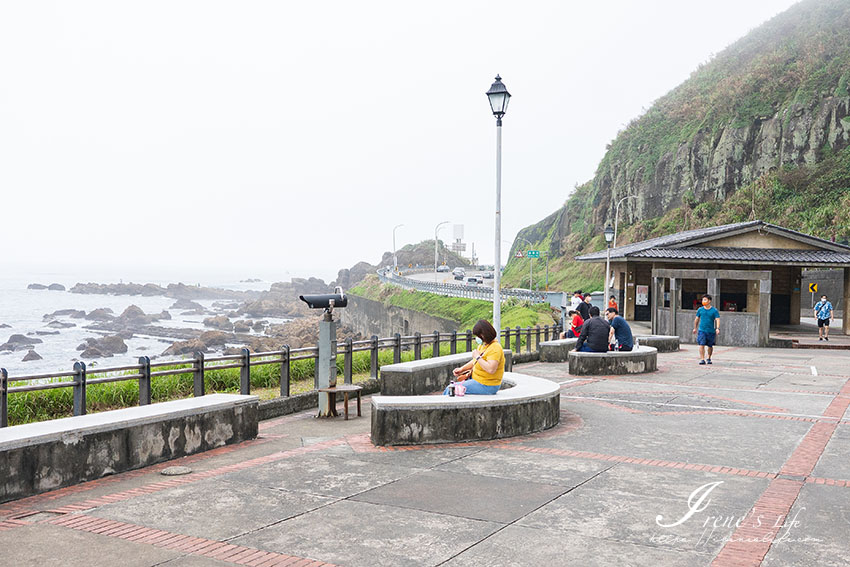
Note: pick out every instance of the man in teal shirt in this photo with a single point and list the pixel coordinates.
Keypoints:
(823, 313)
(706, 327)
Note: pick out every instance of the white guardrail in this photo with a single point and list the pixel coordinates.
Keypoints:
(456, 290)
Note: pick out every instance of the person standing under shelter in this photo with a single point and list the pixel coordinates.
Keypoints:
(824, 314)
(706, 327)
(612, 302)
(594, 333)
(620, 330)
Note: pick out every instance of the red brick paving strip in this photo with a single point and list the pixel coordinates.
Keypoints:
(181, 543)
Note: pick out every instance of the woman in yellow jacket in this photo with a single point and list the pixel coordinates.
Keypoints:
(487, 364)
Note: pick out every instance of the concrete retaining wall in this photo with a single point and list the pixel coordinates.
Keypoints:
(662, 343)
(531, 404)
(370, 317)
(642, 359)
(736, 328)
(557, 350)
(830, 282)
(38, 457)
(420, 377)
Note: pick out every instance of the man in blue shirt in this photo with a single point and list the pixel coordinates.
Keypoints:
(706, 327)
(823, 313)
(620, 330)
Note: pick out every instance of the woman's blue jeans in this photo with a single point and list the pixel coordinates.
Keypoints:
(474, 387)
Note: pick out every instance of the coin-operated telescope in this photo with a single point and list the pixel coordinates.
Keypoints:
(326, 363)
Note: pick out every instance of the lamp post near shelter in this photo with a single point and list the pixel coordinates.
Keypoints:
(436, 252)
(609, 237)
(395, 259)
(499, 98)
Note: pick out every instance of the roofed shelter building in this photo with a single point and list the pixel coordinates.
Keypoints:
(751, 269)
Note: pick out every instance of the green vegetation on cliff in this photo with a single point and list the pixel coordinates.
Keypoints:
(762, 131)
(466, 312)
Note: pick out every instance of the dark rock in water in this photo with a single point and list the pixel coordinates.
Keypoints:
(60, 325)
(133, 313)
(56, 287)
(258, 325)
(184, 303)
(241, 327)
(103, 347)
(73, 313)
(36, 286)
(185, 347)
(226, 305)
(232, 350)
(133, 316)
(194, 312)
(92, 352)
(20, 342)
(102, 314)
(214, 338)
(31, 355)
(5, 326)
(219, 322)
(47, 332)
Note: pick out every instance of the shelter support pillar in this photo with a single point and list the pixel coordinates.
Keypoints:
(765, 287)
(796, 277)
(845, 320)
(674, 305)
(713, 289)
(655, 294)
(629, 307)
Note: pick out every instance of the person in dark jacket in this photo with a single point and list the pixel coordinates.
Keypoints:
(584, 308)
(594, 333)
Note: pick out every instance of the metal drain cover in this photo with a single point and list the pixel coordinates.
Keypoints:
(176, 471)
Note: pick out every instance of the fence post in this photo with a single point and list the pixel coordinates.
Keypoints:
(546, 333)
(435, 350)
(79, 388)
(518, 336)
(417, 345)
(198, 387)
(284, 372)
(537, 334)
(453, 343)
(507, 333)
(245, 373)
(397, 349)
(347, 361)
(528, 339)
(4, 398)
(373, 356)
(145, 381)
(468, 340)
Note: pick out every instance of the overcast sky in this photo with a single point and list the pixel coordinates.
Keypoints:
(267, 137)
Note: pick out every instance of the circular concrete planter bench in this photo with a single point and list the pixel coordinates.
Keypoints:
(640, 360)
(664, 343)
(557, 350)
(525, 404)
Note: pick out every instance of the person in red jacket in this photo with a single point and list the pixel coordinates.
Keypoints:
(575, 325)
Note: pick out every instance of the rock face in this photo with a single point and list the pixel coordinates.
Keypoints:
(187, 304)
(36, 286)
(20, 342)
(72, 313)
(31, 355)
(56, 287)
(60, 325)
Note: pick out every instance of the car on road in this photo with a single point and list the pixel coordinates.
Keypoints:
(443, 268)
(472, 281)
(459, 277)
(459, 273)
(488, 275)
(480, 277)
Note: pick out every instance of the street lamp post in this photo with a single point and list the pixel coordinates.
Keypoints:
(530, 267)
(395, 259)
(499, 97)
(617, 215)
(436, 252)
(609, 236)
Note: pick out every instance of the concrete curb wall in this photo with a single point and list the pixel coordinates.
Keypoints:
(642, 359)
(37, 457)
(420, 377)
(557, 350)
(663, 343)
(529, 405)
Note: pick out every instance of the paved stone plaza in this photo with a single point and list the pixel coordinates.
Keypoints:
(740, 463)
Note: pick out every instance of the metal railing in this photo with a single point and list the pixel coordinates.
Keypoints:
(145, 371)
(455, 290)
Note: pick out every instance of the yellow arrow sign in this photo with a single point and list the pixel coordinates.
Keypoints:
(813, 287)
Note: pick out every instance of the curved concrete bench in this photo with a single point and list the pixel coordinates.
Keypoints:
(640, 360)
(557, 350)
(525, 404)
(664, 343)
(420, 377)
